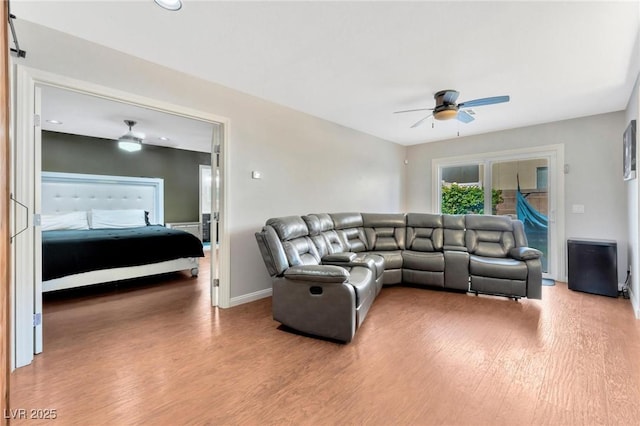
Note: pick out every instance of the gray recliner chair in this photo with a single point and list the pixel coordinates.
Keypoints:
(321, 299)
(499, 260)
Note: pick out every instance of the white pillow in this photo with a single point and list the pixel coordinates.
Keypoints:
(117, 218)
(64, 221)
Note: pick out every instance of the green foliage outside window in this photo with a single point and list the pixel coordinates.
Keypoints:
(458, 199)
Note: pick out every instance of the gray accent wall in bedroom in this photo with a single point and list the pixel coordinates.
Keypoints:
(63, 152)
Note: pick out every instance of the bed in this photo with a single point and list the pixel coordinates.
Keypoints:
(100, 229)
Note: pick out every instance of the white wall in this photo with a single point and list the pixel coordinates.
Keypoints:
(593, 151)
(633, 217)
(308, 164)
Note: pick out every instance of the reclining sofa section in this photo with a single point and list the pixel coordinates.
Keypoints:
(327, 269)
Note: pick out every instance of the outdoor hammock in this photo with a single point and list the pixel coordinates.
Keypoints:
(528, 215)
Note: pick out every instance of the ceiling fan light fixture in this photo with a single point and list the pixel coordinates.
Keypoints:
(447, 112)
(129, 142)
(172, 5)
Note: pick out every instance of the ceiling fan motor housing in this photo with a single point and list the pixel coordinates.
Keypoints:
(446, 108)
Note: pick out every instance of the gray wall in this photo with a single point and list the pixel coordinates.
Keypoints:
(593, 151)
(62, 152)
(308, 164)
(633, 198)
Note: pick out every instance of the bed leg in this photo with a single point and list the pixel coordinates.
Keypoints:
(194, 272)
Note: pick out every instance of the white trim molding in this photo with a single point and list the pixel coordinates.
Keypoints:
(251, 297)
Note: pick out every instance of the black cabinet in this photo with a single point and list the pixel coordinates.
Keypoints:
(593, 266)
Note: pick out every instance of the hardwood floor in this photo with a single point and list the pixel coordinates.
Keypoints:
(158, 354)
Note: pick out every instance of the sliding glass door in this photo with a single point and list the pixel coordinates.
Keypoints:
(522, 192)
(523, 184)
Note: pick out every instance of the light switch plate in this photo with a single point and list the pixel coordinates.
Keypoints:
(577, 208)
(256, 174)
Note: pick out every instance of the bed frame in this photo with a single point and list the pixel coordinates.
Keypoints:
(64, 192)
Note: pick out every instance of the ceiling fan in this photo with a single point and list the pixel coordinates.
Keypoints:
(446, 107)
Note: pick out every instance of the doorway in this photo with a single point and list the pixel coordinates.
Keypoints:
(27, 152)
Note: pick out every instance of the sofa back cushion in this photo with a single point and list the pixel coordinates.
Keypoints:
(489, 236)
(288, 227)
(301, 251)
(298, 247)
(318, 224)
(385, 231)
(424, 232)
(454, 232)
(349, 229)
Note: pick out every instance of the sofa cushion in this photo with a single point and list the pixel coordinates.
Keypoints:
(317, 223)
(355, 239)
(301, 251)
(335, 242)
(346, 220)
(392, 258)
(424, 232)
(289, 227)
(385, 231)
(383, 220)
(489, 223)
(497, 267)
(489, 243)
(423, 261)
(453, 232)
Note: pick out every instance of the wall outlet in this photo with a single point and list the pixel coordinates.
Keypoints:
(577, 208)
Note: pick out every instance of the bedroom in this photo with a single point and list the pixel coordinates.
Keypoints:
(84, 169)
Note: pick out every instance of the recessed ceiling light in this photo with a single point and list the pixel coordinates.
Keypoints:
(54, 121)
(163, 138)
(169, 4)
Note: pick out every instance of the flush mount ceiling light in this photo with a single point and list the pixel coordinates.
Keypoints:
(172, 5)
(129, 142)
(54, 121)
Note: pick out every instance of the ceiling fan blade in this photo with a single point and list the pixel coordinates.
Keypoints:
(413, 110)
(484, 101)
(464, 116)
(450, 96)
(419, 122)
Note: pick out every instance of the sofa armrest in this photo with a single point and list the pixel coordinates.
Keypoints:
(317, 273)
(344, 257)
(525, 253)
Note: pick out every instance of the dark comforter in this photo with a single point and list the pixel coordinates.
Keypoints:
(71, 252)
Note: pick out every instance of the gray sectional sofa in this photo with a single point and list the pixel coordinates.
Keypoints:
(327, 269)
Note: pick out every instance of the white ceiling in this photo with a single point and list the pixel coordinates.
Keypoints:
(355, 63)
(87, 115)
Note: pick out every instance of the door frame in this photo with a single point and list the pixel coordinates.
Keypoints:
(26, 81)
(5, 228)
(555, 157)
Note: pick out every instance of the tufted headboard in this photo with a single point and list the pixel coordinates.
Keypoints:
(67, 192)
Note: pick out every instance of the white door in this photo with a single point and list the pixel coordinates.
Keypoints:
(26, 250)
(214, 177)
(37, 230)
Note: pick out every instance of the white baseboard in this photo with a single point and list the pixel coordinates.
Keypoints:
(251, 297)
(634, 304)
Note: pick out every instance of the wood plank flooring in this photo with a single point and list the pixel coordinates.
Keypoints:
(158, 354)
